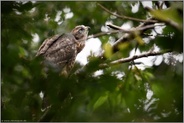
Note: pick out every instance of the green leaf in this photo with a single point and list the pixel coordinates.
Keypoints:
(168, 15)
(139, 40)
(22, 52)
(108, 50)
(100, 101)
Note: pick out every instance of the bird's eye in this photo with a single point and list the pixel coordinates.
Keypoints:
(81, 30)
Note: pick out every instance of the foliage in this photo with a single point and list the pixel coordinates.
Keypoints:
(119, 93)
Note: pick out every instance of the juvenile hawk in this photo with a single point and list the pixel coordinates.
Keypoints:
(60, 51)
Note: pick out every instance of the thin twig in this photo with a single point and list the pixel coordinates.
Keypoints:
(125, 17)
(129, 59)
(103, 33)
(44, 114)
(161, 5)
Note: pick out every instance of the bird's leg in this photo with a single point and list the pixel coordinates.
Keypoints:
(64, 72)
(45, 103)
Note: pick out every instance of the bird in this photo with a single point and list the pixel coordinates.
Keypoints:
(59, 51)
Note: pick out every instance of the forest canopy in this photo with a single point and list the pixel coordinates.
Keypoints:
(137, 75)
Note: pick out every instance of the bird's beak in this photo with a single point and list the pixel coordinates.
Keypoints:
(87, 27)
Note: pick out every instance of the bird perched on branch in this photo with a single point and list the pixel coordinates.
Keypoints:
(60, 51)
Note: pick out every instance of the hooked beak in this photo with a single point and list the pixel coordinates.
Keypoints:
(87, 27)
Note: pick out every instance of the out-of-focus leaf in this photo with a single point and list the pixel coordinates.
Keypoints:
(139, 40)
(22, 52)
(123, 45)
(108, 50)
(172, 39)
(100, 101)
(170, 15)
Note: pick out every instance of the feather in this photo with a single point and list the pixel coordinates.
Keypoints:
(46, 44)
(60, 51)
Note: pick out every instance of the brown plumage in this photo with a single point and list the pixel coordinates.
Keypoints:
(60, 51)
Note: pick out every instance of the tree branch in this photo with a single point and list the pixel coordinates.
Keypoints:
(130, 36)
(129, 59)
(125, 17)
(133, 29)
(119, 29)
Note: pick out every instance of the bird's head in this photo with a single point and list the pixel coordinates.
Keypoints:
(80, 32)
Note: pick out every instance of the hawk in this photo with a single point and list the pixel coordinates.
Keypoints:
(60, 51)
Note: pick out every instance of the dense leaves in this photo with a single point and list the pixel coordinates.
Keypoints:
(94, 92)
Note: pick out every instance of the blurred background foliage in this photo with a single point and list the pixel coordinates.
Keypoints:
(120, 93)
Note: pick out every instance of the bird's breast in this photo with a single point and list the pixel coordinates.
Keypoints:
(80, 46)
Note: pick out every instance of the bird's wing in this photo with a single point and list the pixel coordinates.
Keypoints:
(46, 44)
(62, 50)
